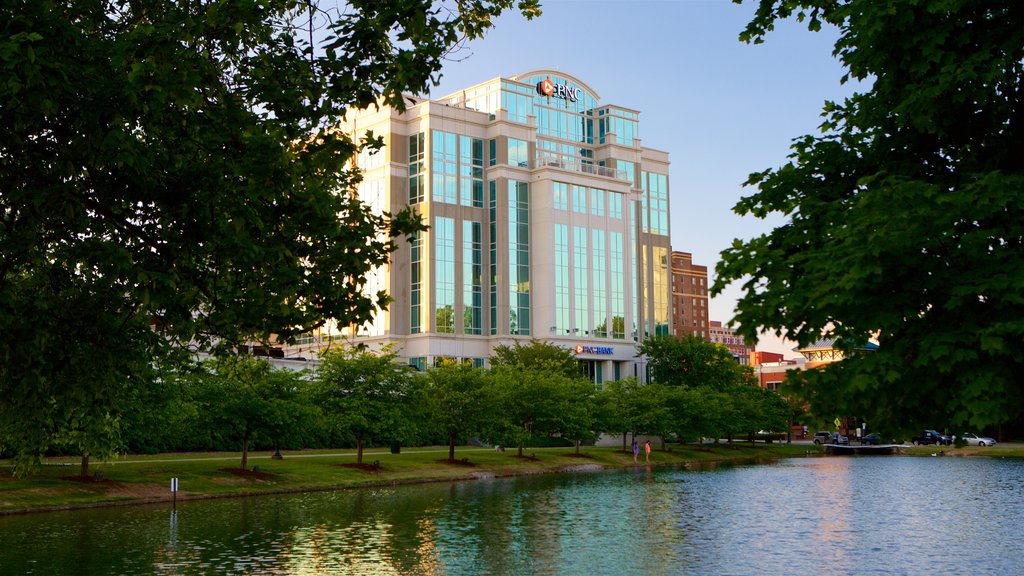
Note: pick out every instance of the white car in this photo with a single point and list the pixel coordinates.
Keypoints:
(975, 440)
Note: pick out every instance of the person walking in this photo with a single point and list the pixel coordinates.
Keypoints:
(636, 450)
(647, 450)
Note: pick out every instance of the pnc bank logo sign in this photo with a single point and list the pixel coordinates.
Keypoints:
(581, 349)
(549, 88)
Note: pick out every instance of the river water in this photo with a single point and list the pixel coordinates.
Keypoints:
(805, 516)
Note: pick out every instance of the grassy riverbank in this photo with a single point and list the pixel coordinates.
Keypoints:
(146, 479)
(143, 479)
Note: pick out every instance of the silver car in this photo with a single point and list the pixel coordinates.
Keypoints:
(975, 440)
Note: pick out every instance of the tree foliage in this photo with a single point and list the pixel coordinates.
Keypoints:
(460, 402)
(176, 164)
(904, 217)
(690, 361)
(75, 359)
(365, 395)
(536, 354)
(247, 397)
(541, 402)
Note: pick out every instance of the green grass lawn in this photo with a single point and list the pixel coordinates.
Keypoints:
(146, 478)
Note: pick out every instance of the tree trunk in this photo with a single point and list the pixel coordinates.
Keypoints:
(245, 450)
(577, 446)
(624, 434)
(359, 449)
(451, 446)
(85, 464)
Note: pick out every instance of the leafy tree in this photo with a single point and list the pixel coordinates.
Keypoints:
(656, 417)
(459, 401)
(579, 422)
(75, 357)
(565, 402)
(537, 354)
(184, 154)
(630, 406)
(365, 394)
(164, 416)
(904, 217)
(249, 397)
(538, 402)
(690, 361)
(687, 420)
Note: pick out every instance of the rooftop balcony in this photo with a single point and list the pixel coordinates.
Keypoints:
(576, 165)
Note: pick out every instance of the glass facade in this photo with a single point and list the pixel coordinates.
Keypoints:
(655, 203)
(581, 303)
(444, 167)
(599, 289)
(661, 295)
(615, 205)
(518, 257)
(597, 201)
(417, 169)
(562, 308)
(518, 100)
(518, 153)
(472, 279)
(629, 169)
(416, 288)
(618, 300)
(493, 253)
(561, 195)
(579, 199)
(471, 172)
(444, 275)
(623, 123)
(567, 113)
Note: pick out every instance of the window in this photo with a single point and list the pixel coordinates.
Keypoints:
(561, 196)
(597, 201)
(472, 279)
(444, 275)
(471, 172)
(615, 205)
(562, 308)
(444, 158)
(416, 272)
(518, 153)
(519, 257)
(580, 273)
(417, 168)
(579, 199)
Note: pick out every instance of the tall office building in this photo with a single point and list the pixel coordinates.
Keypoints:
(548, 220)
(689, 297)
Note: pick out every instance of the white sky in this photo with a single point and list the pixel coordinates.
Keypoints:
(721, 108)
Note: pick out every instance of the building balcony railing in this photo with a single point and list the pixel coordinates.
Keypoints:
(576, 165)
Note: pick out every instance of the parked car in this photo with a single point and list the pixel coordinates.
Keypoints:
(821, 437)
(932, 437)
(872, 439)
(837, 438)
(975, 440)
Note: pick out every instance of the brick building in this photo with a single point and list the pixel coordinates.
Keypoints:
(689, 297)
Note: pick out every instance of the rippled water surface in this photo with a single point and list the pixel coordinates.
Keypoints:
(831, 515)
